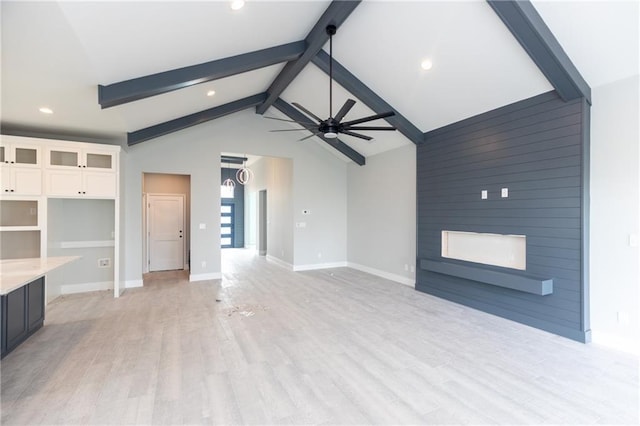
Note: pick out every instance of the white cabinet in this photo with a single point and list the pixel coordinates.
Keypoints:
(82, 158)
(20, 168)
(81, 183)
(81, 170)
(21, 181)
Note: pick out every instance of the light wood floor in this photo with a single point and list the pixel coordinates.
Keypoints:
(324, 347)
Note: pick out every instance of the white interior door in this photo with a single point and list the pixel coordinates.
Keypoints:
(166, 232)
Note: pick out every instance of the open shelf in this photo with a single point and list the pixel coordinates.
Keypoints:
(521, 282)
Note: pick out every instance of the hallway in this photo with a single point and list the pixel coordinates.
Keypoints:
(265, 345)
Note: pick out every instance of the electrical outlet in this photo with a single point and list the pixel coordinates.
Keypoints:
(406, 267)
(204, 264)
(413, 268)
(319, 255)
(504, 192)
(104, 263)
(484, 194)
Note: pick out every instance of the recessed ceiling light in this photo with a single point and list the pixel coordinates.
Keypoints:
(426, 64)
(211, 92)
(46, 110)
(237, 4)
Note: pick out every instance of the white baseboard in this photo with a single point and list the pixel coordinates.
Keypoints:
(280, 262)
(314, 266)
(205, 277)
(383, 274)
(133, 283)
(85, 287)
(622, 344)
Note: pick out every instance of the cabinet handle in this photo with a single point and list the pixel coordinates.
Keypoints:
(79, 192)
(12, 162)
(84, 192)
(6, 190)
(11, 190)
(84, 166)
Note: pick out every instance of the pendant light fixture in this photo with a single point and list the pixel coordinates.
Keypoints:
(244, 174)
(229, 183)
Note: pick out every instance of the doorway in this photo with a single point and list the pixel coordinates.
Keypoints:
(155, 186)
(166, 241)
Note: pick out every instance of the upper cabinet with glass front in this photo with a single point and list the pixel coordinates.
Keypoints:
(20, 167)
(67, 157)
(19, 154)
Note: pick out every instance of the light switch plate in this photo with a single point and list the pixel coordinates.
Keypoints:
(203, 226)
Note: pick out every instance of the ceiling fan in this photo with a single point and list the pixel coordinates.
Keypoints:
(332, 126)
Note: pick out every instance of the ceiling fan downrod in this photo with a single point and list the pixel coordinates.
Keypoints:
(331, 30)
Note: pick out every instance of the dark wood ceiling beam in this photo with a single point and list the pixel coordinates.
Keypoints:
(336, 14)
(527, 26)
(156, 84)
(193, 119)
(335, 143)
(350, 82)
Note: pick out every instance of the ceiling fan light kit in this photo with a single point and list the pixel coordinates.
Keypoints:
(332, 126)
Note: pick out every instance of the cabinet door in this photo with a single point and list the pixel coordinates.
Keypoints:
(16, 317)
(6, 181)
(26, 156)
(95, 160)
(64, 182)
(63, 158)
(100, 184)
(35, 295)
(27, 181)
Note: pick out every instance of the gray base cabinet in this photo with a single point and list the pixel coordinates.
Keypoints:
(22, 314)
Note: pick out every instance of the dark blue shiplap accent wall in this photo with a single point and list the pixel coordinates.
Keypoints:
(538, 148)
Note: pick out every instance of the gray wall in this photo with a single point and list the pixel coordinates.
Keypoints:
(318, 183)
(534, 148)
(80, 221)
(382, 215)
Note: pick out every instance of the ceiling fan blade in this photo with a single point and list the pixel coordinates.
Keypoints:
(306, 111)
(357, 135)
(369, 128)
(345, 109)
(287, 130)
(310, 136)
(288, 121)
(370, 118)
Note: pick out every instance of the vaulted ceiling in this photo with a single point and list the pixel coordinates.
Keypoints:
(56, 54)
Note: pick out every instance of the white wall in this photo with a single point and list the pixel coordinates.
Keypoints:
(276, 176)
(382, 215)
(318, 183)
(615, 214)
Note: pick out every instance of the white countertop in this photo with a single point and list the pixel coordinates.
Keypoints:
(15, 273)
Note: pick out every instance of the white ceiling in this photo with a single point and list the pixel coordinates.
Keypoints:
(56, 53)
